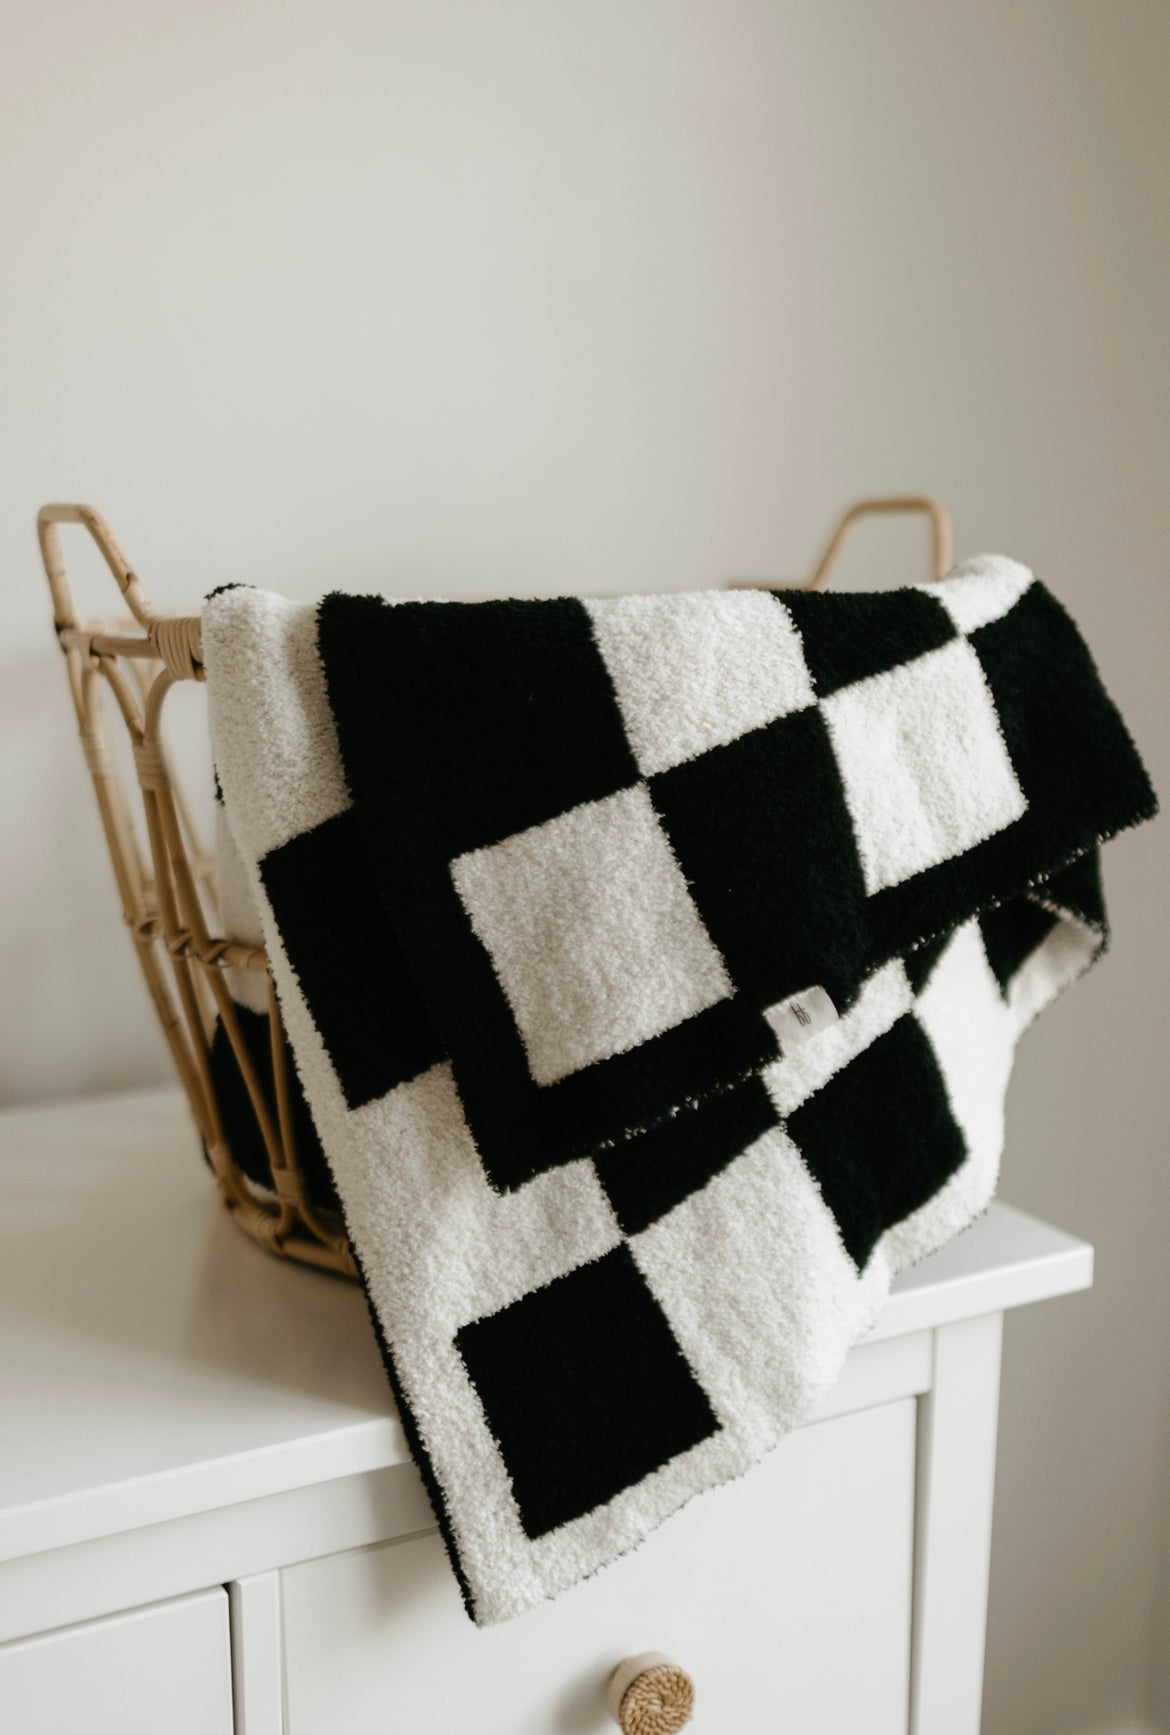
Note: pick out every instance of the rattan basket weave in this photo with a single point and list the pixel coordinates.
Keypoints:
(166, 880)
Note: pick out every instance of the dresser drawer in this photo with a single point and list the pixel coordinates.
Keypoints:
(785, 1595)
(162, 1670)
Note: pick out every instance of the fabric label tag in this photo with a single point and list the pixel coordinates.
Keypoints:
(801, 1017)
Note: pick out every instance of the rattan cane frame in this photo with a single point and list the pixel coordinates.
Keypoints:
(168, 891)
(168, 895)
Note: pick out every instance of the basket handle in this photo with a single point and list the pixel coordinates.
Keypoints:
(176, 640)
(940, 521)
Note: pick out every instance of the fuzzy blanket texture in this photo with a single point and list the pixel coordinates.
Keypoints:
(653, 967)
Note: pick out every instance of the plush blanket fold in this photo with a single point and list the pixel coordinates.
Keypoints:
(653, 967)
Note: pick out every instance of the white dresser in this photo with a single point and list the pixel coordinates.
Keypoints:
(209, 1522)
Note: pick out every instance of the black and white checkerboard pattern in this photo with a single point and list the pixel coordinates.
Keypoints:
(535, 878)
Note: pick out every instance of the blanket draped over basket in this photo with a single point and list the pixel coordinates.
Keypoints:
(653, 967)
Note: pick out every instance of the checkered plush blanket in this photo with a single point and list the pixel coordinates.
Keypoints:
(653, 967)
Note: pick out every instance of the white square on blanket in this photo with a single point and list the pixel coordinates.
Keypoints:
(592, 932)
(981, 590)
(694, 671)
(924, 763)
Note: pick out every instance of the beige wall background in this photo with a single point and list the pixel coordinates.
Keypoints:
(540, 294)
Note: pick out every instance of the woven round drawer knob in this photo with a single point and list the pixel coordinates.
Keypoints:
(650, 1695)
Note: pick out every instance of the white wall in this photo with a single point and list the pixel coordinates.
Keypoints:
(538, 294)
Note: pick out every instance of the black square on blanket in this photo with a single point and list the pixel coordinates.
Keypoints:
(350, 966)
(649, 1174)
(493, 717)
(848, 637)
(584, 1388)
(879, 1138)
(764, 837)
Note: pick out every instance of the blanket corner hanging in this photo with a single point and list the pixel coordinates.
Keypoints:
(653, 967)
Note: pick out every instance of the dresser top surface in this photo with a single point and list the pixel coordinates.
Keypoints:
(156, 1362)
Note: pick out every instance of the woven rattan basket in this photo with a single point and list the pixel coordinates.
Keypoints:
(275, 1182)
(120, 674)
